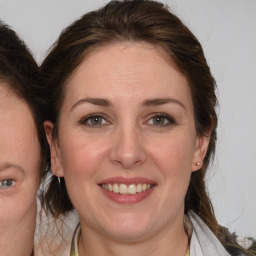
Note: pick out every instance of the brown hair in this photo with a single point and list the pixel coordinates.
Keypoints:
(135, 21)
(20, 72)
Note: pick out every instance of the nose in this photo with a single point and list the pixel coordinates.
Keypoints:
(128, 149)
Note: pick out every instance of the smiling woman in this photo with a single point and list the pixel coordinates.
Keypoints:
(132, 131)
(21, 133)
(118, 144)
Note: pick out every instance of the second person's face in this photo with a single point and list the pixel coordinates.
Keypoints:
(19, 164)
(127, 142)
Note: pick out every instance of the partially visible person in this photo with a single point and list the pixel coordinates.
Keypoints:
(23, 147)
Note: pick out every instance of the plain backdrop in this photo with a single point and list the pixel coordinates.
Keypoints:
(227, 31)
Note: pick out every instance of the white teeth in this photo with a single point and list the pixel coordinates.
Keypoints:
(139, 188)
(115, 188)
(124, 189)
(110, 187)
(132, 189)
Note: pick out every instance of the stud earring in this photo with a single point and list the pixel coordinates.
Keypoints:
(197, 163)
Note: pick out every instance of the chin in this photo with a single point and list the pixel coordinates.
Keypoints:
(128, 229)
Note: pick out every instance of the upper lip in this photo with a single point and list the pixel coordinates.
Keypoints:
(131, 180)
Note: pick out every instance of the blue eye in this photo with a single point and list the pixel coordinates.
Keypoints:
(161, 120)
(94, 120)
(6, 183)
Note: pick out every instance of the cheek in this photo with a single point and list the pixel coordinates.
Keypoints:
(81, 157)
(173, 160)
(81, 161)
(15, 206)
(174, 156)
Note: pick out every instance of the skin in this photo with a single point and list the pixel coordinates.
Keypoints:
(19, 162)
(130, 142)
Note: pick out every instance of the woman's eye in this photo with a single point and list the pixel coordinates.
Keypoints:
(94, 120)
(161, 120)
(6, 183)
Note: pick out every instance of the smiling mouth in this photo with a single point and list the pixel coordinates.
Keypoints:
(126, 189)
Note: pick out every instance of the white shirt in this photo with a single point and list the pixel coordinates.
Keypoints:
(203, 242)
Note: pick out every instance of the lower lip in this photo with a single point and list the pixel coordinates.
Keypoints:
(127, 199)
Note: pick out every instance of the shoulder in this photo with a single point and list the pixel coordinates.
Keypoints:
(227, 243)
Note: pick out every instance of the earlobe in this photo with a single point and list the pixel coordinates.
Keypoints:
(54, 149)
(201, 147)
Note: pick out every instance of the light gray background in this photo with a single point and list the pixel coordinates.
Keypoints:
(227, 31)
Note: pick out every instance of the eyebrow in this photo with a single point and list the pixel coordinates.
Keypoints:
(148, 102)
(161, 101)
(95, 101)
(9, 165)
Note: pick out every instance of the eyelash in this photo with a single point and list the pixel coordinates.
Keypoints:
(170, 120)
(85, 120)
(4, 184)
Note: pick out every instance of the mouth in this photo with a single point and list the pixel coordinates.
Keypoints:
(124, 189)
(127, 190)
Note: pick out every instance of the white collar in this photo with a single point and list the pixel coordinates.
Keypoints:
(203, 242)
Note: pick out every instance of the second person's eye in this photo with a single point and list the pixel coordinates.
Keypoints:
(6, 183)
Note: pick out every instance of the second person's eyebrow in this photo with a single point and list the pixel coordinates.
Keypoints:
(7, 165)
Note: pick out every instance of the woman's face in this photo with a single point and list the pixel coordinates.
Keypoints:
(127, 124)
(19, 163)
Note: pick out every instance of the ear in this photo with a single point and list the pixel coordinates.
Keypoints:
(201, 147)
(56, 166)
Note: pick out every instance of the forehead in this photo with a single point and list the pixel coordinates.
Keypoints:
(8, 87)
(127, 69)
(18, 134)
(10, 103)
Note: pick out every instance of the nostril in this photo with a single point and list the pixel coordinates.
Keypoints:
(128, 150)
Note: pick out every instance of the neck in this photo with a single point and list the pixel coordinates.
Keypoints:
(18, 238)
(174, 241)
